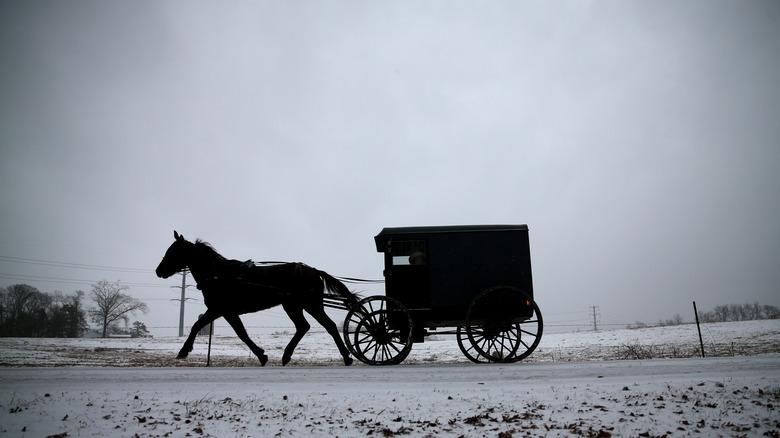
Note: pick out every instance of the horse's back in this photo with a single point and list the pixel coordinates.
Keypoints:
(279, 275)
(256, 288)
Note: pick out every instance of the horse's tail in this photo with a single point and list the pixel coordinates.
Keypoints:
(335, 286)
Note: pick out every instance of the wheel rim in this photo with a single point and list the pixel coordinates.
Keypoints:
(379, 331)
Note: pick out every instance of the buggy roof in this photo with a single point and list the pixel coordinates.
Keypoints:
(390, 233)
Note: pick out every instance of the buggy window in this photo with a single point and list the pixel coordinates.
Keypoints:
(409, 252)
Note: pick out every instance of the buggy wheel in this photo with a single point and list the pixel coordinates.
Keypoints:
(466, 347)
(379, 331)
(503, 324)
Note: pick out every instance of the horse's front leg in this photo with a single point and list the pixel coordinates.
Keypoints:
(238, 327)
(202, 322)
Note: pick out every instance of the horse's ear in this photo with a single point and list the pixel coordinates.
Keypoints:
(177, 236)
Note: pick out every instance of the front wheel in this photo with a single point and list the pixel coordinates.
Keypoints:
(379, 331)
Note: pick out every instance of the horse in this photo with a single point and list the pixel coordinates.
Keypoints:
(231, 288)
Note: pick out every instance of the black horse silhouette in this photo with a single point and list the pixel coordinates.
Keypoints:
(232, 288)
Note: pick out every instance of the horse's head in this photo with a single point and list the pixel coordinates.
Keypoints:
(175, 259)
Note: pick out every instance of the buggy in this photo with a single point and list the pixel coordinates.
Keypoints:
(471, 281)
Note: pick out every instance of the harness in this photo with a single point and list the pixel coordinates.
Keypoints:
(226, 270)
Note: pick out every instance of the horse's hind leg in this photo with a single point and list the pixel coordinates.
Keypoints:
(319, 314)
(301, 327)
(238, 327)
(202, 322)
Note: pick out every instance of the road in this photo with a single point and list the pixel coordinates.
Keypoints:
(394, 377)
(713, 396)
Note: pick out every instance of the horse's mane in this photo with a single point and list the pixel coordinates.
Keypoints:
(207, 247)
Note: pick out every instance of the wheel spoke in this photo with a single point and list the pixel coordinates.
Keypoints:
(364, 339)
(524, 344)
(392, 344)
(528, 333)
(386, 351)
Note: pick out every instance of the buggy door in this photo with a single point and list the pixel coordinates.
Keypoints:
(407, 278)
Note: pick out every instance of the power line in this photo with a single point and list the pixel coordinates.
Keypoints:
(71, 265)
(17, 277)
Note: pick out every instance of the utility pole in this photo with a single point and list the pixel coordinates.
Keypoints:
(698, 327)
(184, 287)
(595, 327)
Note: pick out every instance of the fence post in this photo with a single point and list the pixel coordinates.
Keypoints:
(211, 332)
(698, 327)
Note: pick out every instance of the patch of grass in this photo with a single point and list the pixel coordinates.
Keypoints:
(636, 351)
(772, 393)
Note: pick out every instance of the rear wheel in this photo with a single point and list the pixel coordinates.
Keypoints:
(379, 331)
(503, 324)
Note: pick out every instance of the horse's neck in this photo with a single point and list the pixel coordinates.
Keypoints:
(202, 267)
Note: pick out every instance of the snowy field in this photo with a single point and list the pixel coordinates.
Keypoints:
(568, 387)
(317, 348)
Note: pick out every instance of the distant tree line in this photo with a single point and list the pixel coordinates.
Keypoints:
(723, 313)
(677, 319)
(27, 312)
(740, 312)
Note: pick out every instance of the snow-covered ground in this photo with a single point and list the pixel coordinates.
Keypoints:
(317, 348)
(132, 387)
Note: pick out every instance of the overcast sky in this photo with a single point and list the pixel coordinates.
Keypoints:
(640, 142)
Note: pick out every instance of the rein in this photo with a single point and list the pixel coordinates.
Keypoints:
(248, 263)
(344, 279)
(358, 280)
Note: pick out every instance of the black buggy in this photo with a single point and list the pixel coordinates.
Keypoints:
(470, 281)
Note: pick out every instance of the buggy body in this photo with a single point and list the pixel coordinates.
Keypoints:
(436, 272)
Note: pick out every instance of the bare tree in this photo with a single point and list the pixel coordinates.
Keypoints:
(113, 305)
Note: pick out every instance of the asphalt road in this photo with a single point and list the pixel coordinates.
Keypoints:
(394, 377)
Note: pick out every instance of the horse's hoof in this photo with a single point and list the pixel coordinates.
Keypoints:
(263, 360)
(182, 356)
(285, 360)
(348, 361)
